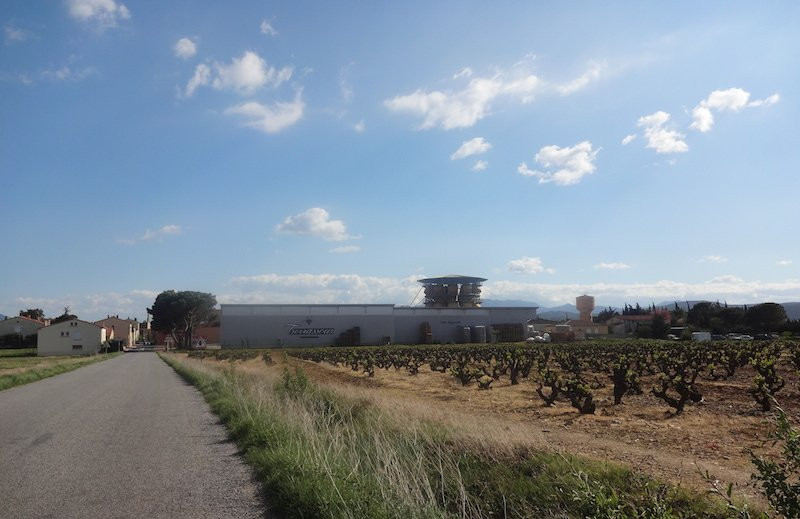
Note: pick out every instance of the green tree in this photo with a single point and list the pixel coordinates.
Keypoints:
(179, 313)
(659, 327)
(765, 317)
(605, 315)
(66, 316)
(33, 313)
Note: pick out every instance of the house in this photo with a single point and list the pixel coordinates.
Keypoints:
(628, 324)
(123, 331)
(19, 330)
(73, 337)
(583, 329)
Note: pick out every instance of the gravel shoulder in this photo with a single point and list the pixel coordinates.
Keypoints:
(122, 438)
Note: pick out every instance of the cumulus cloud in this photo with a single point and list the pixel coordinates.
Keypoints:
(149, 235)
(567, 165)
(729, 288)
(628, 139)
(360, 126)
(462, 108)
(480, 165)
(732, 99)
(185, 48)
(612, 266)
(248, 73)
(658, 137)
(270, 118)
(346, 249)
(267, 28)
(784, 263)
(103, 13)
(471, 147)
(95, 306)
(713, 259)
(528, 265)
(320, 288)
(464, 72)
(591, 74)
(314, 222)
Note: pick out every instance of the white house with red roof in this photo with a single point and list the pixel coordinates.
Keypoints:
(23, 326)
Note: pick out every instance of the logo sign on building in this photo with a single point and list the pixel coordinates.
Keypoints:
(306, 331)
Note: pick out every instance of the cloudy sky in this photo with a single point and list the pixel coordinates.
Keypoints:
(336, 152)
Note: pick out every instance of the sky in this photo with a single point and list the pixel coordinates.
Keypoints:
(336, 152)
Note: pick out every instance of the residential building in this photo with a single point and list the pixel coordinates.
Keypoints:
(73, 337)
(124, 331)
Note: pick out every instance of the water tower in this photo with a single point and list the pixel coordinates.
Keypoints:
(585, 305)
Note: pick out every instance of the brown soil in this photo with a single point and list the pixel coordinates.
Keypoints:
(643, 433)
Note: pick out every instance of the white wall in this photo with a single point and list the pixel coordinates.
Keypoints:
(73, 337)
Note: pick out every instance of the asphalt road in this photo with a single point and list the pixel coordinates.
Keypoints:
(126, 437)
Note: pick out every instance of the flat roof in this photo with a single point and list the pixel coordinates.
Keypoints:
(452, 278)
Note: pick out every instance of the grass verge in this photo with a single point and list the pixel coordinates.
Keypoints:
(18, 352)
(37, 368)
(320, 454)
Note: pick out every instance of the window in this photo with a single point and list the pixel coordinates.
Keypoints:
(74, 323)
(65, 334)
(77, 347)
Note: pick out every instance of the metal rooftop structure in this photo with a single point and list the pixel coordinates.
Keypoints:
(452, 291)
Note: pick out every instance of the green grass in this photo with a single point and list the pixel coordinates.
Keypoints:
(21, 352)
(31, 369)
(320, 454)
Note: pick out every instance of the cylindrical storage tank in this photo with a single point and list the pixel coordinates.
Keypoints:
(465, 335)
(478, 334)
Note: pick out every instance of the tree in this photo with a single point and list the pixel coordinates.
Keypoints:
(659, 327)
(179, 313)
(605, 315)
(765, 317)
(33, 313)
(66, 316)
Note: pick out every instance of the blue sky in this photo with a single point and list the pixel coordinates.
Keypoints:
(321, 152)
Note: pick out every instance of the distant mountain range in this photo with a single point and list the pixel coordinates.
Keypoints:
(568, 311)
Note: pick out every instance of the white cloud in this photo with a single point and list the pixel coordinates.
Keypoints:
(267, 28)
(628, 139)
(528, 265)
(248, 73)
(104, 13)
(593, 73)
(185, 48)
(480, 165)
(571, 164)
(201, 77)
(728, 288)
(15, 34)
(471, 147)
(464, 72)
(346, 249)
(732, 99)
(320, 288)
(360, 126)
(659, 138)
(713, 259)
(345, 87)
(612, 266)
(270, 118)
(66, 73)
(314, 222)
(157, 235)
(92, 307)
(463, 108)
(784, 263)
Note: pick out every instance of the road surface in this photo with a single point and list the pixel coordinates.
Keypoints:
(126, 437)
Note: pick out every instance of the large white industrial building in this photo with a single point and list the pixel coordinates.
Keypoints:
(451, 314)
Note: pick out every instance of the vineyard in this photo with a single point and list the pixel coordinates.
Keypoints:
(576, 372)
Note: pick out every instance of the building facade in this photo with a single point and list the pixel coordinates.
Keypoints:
(22, 326)
(253, 326)
(73, 337)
